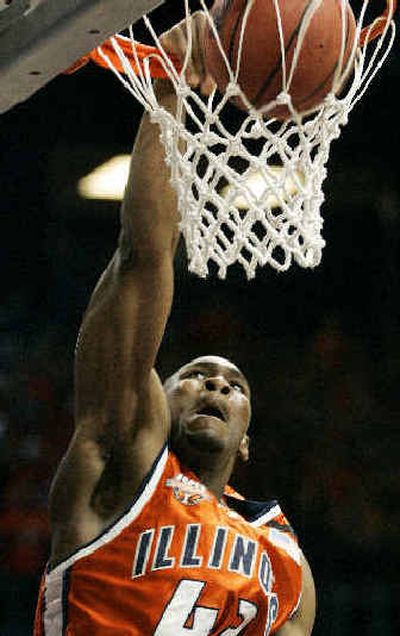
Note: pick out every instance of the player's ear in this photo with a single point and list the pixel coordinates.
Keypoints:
(244, 451)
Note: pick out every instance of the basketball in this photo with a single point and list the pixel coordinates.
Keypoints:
(319, 30)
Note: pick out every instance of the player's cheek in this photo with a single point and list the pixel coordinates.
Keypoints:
(182, 389)
(186, 386)
(245, 408)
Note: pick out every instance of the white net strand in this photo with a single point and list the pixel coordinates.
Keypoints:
(369, 67)
(252, 193)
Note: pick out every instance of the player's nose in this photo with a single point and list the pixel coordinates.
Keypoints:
(218, 384)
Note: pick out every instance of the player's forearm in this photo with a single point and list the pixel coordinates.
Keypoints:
(149, 211)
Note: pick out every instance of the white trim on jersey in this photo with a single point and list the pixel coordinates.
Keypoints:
(268, 516)
(277, 537)
(53, 611)
(296, 607)
(53, 614)
(285, 542)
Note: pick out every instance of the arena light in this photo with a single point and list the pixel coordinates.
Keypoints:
(107, 181)
(256, 185)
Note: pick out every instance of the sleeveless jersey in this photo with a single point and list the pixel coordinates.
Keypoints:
(177, 562)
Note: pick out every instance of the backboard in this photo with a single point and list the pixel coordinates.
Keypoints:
(41, 38)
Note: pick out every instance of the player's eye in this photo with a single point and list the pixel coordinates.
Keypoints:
(237, 387)
(195, 375)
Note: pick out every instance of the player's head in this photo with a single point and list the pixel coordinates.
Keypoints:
(209, 400)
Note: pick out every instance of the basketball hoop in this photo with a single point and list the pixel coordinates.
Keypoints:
(224, 218)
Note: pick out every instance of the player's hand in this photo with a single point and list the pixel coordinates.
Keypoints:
(175, 42)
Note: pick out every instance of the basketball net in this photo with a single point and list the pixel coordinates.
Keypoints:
(250, 194)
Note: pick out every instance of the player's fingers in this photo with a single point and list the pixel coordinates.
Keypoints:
(194, 29)
(175, 42)
(207, 85)
(192, 75)
(198, 28)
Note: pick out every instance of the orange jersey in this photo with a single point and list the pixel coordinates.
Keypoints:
(177, 562)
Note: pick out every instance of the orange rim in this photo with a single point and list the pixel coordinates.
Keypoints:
(368, 33)
(143, 52)
(374, 30)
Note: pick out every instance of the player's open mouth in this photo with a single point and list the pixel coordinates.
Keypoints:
(212, 411)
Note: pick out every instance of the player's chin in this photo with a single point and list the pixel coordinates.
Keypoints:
(205, 440)
(206, 432)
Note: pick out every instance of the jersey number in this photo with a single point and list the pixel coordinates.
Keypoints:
(182, 616)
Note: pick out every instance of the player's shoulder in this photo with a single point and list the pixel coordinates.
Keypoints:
(259, 513)
(271, 524)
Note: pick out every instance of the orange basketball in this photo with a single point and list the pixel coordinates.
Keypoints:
(260, 76)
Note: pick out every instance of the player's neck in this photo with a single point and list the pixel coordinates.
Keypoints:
(214, 477)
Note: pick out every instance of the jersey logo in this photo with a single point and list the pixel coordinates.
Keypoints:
(187, 491)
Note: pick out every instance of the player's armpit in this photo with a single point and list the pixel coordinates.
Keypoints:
(302, 622)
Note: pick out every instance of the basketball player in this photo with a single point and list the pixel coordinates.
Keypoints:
(147, 538)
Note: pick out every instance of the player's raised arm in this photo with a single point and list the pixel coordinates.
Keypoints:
(121, 414)
(116, 391)
(121, 417)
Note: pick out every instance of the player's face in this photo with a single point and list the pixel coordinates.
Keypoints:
(209, 399)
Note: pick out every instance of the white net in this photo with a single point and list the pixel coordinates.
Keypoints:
(249, 186)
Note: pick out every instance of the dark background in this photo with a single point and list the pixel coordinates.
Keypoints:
(321, 348)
